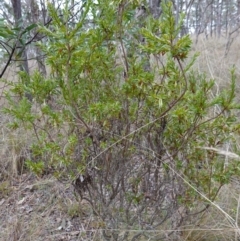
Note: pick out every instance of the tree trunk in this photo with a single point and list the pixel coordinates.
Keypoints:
(35, 18)
(17, 12)
(155, 8)
(219, 18)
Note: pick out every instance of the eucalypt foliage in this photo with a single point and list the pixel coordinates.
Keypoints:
(132, 138)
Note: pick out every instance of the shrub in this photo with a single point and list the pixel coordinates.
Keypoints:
(127, 119)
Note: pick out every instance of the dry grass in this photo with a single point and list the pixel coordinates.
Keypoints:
(13, 149)
(215, 224)
(213, 61)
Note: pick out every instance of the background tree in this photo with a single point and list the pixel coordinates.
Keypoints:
(22, 52)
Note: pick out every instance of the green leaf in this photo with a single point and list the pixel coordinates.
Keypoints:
(29, 28)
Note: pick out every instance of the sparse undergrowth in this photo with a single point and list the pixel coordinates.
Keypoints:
(46, 210)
